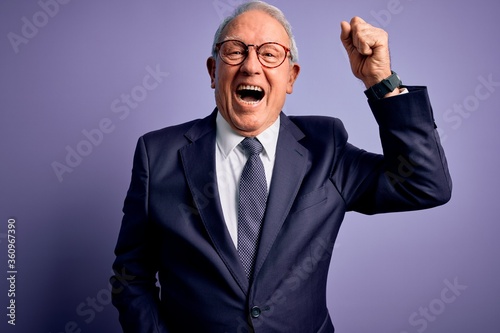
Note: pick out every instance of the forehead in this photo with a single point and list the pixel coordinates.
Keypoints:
(255, 26)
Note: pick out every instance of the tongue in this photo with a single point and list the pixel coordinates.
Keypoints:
(249, 98)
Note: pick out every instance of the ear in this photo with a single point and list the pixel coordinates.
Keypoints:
(211, 71)
(292, 76)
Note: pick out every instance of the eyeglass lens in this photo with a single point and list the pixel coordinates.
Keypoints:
(235, 52)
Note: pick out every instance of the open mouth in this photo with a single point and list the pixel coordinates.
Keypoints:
(250, 94)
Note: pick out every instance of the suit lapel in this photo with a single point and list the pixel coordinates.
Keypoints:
(202, 176)
(289, 169)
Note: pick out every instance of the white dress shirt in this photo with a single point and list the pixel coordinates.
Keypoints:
(229, 162)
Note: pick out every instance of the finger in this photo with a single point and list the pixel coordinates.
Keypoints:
(345, 35)
(362, 36)
(363, 44)
(370, 39)
(357, 20)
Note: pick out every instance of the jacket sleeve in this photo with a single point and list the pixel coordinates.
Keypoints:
(134, 292)
(411, 174)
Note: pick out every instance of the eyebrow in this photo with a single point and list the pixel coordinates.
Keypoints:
(231, 37)
(234, 37)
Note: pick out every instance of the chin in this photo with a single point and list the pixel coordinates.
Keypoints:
(244, 126)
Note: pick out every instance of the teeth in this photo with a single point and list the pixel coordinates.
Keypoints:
(248, 87)
(249, 94)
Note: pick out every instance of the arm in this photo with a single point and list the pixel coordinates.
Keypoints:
(413, 172)
(135, 294)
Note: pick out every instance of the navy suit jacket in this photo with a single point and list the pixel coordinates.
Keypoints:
(173, 228)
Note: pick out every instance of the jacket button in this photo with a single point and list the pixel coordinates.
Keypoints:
(255, 312)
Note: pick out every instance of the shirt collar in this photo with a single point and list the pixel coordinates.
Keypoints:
(227, 139)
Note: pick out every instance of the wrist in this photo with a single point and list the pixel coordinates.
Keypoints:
(384, 88)
(395, 92)
(375, 79)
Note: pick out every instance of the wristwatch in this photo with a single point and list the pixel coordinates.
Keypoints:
(379, 90)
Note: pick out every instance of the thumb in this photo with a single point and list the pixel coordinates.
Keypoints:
(345, 35)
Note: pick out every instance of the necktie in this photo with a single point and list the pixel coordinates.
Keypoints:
(252, 204)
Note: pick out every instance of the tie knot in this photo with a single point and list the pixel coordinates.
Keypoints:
(251, 146)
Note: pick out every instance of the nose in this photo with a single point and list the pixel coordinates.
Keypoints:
(251, 65)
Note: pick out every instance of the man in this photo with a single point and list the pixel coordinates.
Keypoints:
(233, 259)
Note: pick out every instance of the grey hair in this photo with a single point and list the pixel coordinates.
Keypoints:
(272, 11)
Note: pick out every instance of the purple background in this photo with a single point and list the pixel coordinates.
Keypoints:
(70, 74)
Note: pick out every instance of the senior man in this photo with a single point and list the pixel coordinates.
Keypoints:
(223, 212)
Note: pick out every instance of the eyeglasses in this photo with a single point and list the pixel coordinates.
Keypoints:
(234, 52)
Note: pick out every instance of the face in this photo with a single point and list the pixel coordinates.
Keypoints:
(247, 112)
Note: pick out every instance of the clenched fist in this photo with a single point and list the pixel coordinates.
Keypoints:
(368, 50)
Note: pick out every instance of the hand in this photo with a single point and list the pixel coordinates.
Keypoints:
(368, 51)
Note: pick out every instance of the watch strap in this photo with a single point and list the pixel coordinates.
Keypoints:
(379, 90)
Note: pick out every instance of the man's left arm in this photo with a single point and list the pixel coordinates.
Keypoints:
(413, 173)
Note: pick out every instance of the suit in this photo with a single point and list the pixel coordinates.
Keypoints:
(173, 223)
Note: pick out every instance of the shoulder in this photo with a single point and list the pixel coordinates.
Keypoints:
(320, 127)
(169, 133)
(179, 135)
(315, 121)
